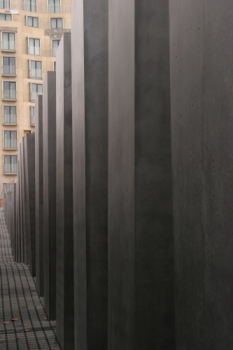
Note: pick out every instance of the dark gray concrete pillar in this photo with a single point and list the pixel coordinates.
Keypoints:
(141, 259)
(49, 193)
(90, 111)
(30, 199)
(10, 214)
(202, 146)
(25, 211)
(17, 239)
(14, 225)
(39, 197)
(64, 176)
(22, 206)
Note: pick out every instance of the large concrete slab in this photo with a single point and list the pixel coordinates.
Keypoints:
(9, 212)
(64, 178)
(90, 111)
(140, 260)
(8, 207)
(14, 219)
(22, 207)
(25, 212)
(39, 197)
(202, 146)
(49, 193)
(30, 199)
(17, 239)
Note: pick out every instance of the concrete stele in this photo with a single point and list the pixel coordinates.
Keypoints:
(39, 196)
(141, 309)
(90, 133)
(49, 193)
(64, 204)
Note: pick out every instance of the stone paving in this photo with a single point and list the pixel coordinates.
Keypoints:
(23, 323)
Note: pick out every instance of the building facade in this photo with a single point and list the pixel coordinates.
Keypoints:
(30, 33)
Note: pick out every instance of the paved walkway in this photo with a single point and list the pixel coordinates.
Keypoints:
(23, 324)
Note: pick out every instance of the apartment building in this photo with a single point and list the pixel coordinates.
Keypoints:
(30, 33)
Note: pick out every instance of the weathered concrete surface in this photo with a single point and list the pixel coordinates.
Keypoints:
(30, 199)
(49, 193)
(15, 219)
(90, 130)
(8, 206)
(64, 200)
(39, 197)
(9, 212)
(141, 260)
(22, 242)
(17, 233)
(22, 207)
(202, 146)
(25, 202)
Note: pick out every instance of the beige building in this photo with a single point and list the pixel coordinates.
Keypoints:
(30, 33)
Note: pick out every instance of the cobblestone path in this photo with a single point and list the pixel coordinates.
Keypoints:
(23, 324)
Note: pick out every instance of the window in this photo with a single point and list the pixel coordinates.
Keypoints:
(54, 6)
(8, 41)
(9, 115)
(10, 139)
(55, 44)
(4, 4)
(54, 66)
(5, 17)
(36, 89)
(32, 116)
(32, 21)
(9, 67)
(9, 90)
(30, 5)
(10, 164)
(33, 46)
(35, 69)
(56, 23)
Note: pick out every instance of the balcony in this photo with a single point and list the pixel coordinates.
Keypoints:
(8, 46)
(9, 119)
(33, 50)
(9, 70)
(30, 6)
(9, 95)
(54, 8)
(10, 169)
(10, 144)
(36, 6)
(35, 73)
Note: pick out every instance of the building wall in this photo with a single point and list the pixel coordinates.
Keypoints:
(18, 25)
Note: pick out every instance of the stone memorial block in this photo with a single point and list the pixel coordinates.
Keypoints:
(24, 202)
(64, 175)
(7, 208)
(22, 206)
(201, 34)
(30, 199)
(49, 193)
(141, 312)
(17, 232)
(14, 220)
(9, 212)
(39, 196)
(90, 134)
